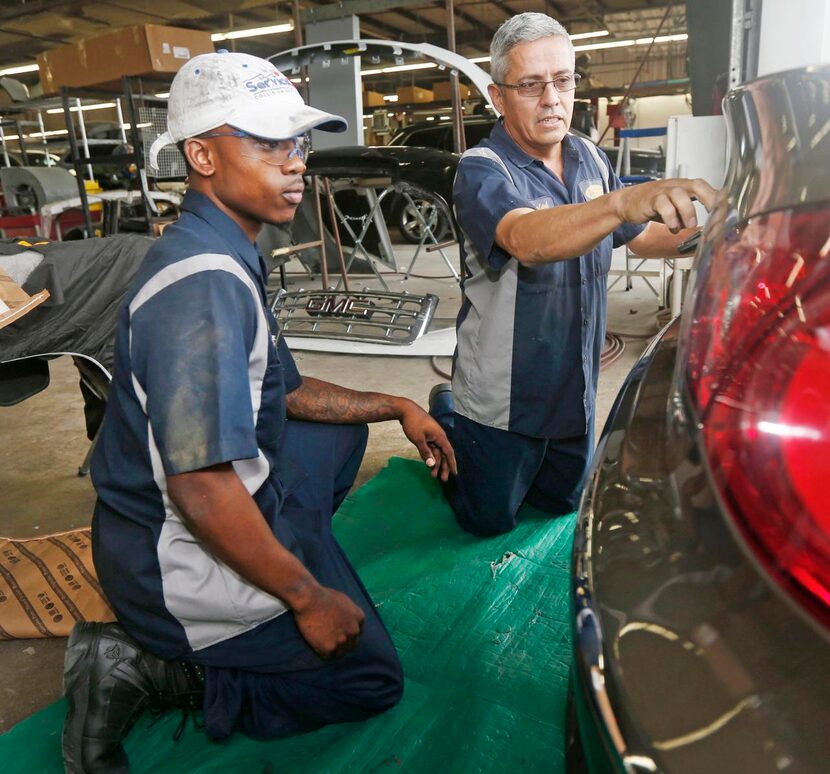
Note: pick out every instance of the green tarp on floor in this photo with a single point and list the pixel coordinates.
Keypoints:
(482, 629)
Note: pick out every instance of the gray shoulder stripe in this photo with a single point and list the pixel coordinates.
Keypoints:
(186, 268)
(592, 149)
(209, 599)
(488, 153)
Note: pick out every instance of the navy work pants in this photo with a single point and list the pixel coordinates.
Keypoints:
(499, 470)
(268, 682)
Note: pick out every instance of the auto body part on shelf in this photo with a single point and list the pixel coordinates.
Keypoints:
(368, 49)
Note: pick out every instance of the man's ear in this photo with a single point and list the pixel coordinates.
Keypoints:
(200, 156)
(496, 97)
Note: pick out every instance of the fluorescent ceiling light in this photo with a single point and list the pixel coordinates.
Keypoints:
(163, 94)
(399, 68)
(29, 68)
(595, 34)
(254, 32)
(46, 134)
(626, 43)
(404, 68)
(609, 44)
(577, 36)
(662, 39)
(100, 106)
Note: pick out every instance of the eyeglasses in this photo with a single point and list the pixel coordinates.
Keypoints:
(561, 83)
(277, 153)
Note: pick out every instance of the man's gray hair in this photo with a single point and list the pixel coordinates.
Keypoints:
(522, 28)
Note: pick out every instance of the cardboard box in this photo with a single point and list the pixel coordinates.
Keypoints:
(409, 94)
(442, 92)
(373, 99)
(15, 302)
(32, 607)
(145, 49)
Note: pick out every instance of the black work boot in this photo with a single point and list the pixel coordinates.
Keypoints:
(441, 404)
(109, 681)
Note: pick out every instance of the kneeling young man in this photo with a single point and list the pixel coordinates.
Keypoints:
(219, 467)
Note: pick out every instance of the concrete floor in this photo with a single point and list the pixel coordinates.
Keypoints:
(43, 441)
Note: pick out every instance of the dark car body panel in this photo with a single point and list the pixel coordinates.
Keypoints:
(420, 173)
(439, 134)
(426, 168)
(689, 656)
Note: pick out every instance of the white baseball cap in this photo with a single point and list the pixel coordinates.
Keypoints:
(243, 91)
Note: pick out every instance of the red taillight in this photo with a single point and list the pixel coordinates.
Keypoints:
(758, 371)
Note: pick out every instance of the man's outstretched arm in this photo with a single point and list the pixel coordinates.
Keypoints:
(318, 401)
(563, 232)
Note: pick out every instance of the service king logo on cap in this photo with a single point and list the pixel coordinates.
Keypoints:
(268, 83)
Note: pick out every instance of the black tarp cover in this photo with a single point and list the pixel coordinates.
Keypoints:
(86, 280)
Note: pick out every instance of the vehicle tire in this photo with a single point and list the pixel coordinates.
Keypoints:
(410, 224)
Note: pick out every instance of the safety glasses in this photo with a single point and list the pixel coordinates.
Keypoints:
(561, 83)
(276, 153)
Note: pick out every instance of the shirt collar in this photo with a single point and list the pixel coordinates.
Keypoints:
(504, 142)
(202, 207)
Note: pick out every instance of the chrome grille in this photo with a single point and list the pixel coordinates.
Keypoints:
(380, 317)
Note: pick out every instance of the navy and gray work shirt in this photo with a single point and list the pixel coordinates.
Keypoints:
(200, 378)
(530, 337)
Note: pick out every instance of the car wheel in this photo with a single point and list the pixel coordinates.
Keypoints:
(411, 225)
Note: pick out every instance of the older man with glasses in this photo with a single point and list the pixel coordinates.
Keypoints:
(212, 530)
(540, 211)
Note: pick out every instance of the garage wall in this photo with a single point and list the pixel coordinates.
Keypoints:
(650, 112)
(794, 33)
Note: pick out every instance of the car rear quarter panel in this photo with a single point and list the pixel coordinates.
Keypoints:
(703, 662)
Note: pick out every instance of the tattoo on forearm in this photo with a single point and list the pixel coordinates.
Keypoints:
(321, 401)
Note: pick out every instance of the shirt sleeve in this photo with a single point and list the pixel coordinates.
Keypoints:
(627, 231)
(289, 368)
(483, 194)
(190, 349)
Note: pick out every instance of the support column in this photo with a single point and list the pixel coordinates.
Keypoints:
(459, 140)
(335, 86)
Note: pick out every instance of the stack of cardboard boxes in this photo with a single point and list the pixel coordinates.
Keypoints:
(141, 50)
(408, 95)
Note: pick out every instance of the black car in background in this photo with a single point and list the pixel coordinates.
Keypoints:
(409, 216)
(438, 134)
(701, 564)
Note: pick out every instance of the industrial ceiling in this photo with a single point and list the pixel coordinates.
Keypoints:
(28, 27)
